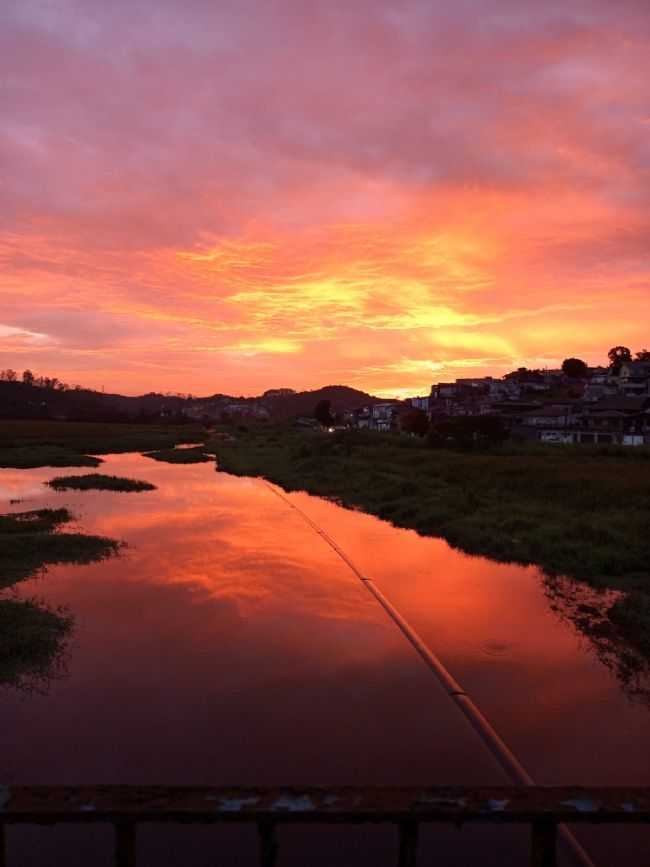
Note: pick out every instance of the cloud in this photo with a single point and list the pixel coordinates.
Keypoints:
(240, 193)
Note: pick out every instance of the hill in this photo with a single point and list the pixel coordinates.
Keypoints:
(19, 400)
(302, 403)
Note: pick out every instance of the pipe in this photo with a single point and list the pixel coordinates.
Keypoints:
(481, 725)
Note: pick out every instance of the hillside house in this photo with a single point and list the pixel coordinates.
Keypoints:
(382, 414)
(552, 416)
(419, 403)
(634, 378)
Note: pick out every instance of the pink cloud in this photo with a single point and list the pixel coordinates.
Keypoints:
(189, 188)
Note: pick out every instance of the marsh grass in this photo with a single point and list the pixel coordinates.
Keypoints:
(29, 542)
(32, 641)
(25, 444)
(98, 482)
(196, 455)
(30, 456)
(35, 521)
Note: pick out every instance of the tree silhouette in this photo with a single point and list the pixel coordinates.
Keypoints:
(618, 355)
(415, 421)
(575, 368)
(323, 413)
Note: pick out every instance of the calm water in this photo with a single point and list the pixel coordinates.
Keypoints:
(229, 644)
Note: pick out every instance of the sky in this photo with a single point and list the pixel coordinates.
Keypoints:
(234, 195)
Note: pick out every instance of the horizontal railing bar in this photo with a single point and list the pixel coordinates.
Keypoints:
(323, 804)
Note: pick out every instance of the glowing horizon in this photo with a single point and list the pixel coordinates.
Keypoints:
(239, 196)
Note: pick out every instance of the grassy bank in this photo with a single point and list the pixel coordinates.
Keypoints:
(98, 482)
(26, 444)
(573, 511)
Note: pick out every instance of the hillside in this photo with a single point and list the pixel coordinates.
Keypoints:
(302, 403)
(22, 401)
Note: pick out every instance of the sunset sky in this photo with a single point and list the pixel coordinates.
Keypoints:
(235, 195)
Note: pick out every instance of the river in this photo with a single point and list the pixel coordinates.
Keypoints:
(229, 644)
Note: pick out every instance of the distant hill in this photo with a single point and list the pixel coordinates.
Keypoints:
(22, 401)
(302, 403)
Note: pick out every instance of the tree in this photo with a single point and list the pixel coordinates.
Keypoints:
(469, 432)
(28, 377)
(575, 368)
(415, 421)
(643, 355)
(618, 355)
(8, 375)
(323, 413)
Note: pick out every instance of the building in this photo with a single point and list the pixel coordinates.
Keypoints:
(419, 403)
(382, 414)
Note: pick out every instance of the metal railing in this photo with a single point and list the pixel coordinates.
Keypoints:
(544, 808)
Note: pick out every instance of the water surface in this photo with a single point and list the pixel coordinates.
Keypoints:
(229, 644)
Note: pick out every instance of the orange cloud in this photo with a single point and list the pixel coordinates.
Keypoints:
(381, 221)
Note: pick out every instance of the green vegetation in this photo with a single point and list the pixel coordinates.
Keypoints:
(32, 641)
(572, 510)
(29, 542)
(196, 455)
(98, 482)
(26, 444)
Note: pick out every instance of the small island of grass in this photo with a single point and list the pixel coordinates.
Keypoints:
(29, 542)
(196, 455)
(98, 482)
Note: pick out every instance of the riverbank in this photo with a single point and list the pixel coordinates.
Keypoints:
(572, 511)
(29, 444)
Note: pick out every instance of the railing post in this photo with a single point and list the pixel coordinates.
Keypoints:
(543, 850)
(408, 843)
(268, 843)
(125, 844)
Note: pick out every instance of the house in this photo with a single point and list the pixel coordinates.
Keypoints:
(504, 389)
(381, 415)
(250, 410)
(557, 436)
(620, 420)
(634, 378)
(552, 416)
(444, 390)
(419, 403)
(599, 375)
(358, 418)
(594, 391)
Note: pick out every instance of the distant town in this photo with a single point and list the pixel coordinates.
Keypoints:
(575, 404)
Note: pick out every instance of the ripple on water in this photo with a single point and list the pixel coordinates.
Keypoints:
(500, 649)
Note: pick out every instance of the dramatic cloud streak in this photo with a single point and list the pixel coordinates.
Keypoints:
(239, 195)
